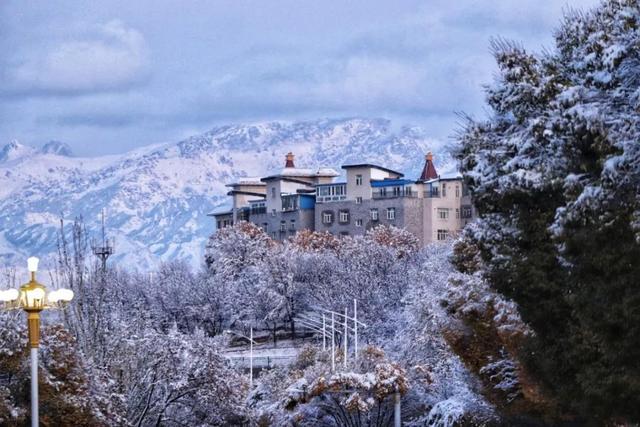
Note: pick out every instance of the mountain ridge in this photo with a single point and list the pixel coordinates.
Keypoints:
(157, 197)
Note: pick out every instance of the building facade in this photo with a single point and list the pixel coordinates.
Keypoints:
(432, 207)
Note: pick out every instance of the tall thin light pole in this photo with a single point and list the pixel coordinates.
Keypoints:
(346, 334)
(34, 335)
(324, 336)
(333, 344)
(355, 327)
(33, 297)
(251, 358)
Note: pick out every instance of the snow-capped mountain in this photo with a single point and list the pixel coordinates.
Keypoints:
(157, 198)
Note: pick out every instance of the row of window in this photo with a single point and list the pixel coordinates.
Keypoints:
(343, 216)
(443, 213)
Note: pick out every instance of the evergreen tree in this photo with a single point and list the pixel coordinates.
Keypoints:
(555, 174)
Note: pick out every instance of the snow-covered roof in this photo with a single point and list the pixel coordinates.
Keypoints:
(250, 180)
(443, 177)
(309, 172)
(219, 212)
(372, 166)
(451, 175)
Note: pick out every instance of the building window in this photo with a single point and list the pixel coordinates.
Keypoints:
(444, 190)
(344, 233)
(391, 214)
(457, 191)
(457, 213)
(327, 217)
(273, 192)
(344, 217)
(292, 225)
(283, 226)
(443, 234)
(466, 212)
(273, 235)
(358, 179)
(265, 226)
(374, 214)
(358, 223)
(273, 212)
(443, 213)
(219, 225)
(358, 200)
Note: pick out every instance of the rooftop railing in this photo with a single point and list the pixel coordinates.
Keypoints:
(328, 199)
(393, 194)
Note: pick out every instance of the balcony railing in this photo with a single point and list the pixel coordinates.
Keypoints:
(431, 194)
(393, 194)
(328, 199)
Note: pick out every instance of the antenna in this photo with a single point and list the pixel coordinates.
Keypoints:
(104, 250)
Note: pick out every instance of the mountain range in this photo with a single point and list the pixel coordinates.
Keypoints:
(157, 198)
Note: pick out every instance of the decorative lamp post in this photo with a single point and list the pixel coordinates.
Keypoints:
(33, 298)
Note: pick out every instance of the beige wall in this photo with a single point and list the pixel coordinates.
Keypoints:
(365, 191)
(452, 202)
(354, 190)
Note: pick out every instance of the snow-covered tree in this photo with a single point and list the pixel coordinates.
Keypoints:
(555, 175)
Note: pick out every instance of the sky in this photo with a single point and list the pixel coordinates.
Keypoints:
(112, 75)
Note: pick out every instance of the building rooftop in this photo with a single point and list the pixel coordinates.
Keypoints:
(369, 165)
(250, 180)
(429, 170)
(219, 213)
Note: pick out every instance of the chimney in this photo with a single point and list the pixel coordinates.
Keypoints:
(289, 160)
(429, 170)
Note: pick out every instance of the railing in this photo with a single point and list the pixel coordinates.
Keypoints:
(328, 199)
(265, 362)
(431, 194)
(392, 195)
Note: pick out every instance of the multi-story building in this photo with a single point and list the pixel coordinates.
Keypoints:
(432, 207)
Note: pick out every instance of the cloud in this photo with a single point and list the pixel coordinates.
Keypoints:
(415, 61)
(111, 57)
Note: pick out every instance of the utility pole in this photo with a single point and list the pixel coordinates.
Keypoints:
(355, 327)
(333, 344)
(251, 359)
(346, 334)
(324, 336)
(105, 250)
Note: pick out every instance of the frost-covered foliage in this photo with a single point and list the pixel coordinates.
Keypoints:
(449, 330)
(274, 283)
(71, 392)
(361, 395)
(178, 379)
(555, 175)
(144, 341)
(445, 391)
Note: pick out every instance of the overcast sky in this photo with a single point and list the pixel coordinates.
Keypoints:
(107, 76)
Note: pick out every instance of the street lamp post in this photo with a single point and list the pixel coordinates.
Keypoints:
(251, 342)
(33, 298)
